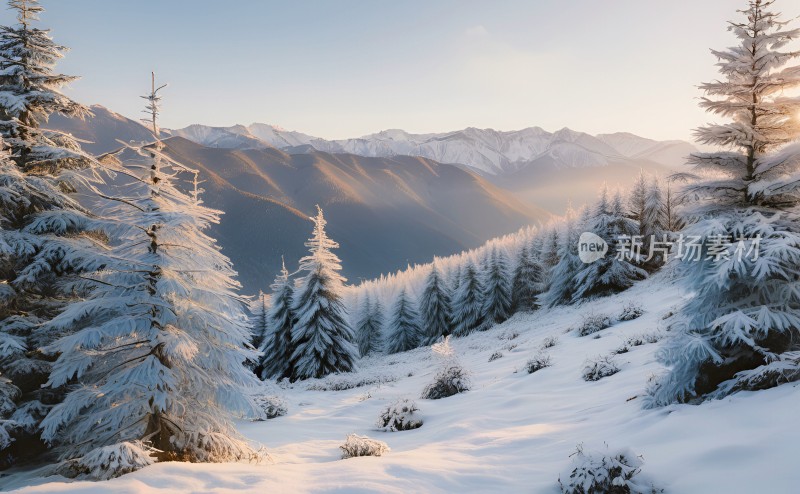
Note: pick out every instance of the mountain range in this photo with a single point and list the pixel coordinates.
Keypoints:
(545, 169)
(487, 151)
(385, 212)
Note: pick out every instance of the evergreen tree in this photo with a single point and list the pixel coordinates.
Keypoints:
(277, 348)
(550, 249)
(654, 224)
(468, 302)
(741, 329)
(561, 285)
(497, 290)
(259, 308)
(45, 234)
(322, 339)
(370, 328)
(527, 283)
(637, 199)
(403, 333)
(612, 273)
(435, 306)
(162, 335)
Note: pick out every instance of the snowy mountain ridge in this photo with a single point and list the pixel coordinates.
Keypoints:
(489, 151)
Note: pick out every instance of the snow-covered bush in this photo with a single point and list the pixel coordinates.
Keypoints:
(598, 368)
(592, 323)
(108, 462)
(495, 356)
(399, 416)
(356, 445)
(451, 378)
(538, 362)
(630, 311)
(549, 342)
(272, 406)
(604, 472)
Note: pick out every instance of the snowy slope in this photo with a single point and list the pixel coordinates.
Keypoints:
(513, 432)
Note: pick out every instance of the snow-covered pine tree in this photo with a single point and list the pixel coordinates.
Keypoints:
(612, 273)
(468, 302)
(259, 308)
(403, 332)
(162, 335)
(741, 330)
(435, 308)
(43, 229)
(323, 340)
(277, 348)
(527, 282)
(370, 328)
(561, 283)
(653, 226)
(550, 248)
(637, 199)
(496, 290)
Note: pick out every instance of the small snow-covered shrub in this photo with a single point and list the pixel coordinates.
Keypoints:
(495, 356)
(604, 472)
(109, 462)
(653, 336)
(598, 368)
(399, 416)
(635, 340)
(356, 445)
(450, 380)
(512, 335)
(630, 311)
(549, 342)
(538, 362)
(272, 406)
(592, 323)
(622, 349)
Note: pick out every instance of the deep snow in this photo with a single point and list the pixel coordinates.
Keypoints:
(513, 432)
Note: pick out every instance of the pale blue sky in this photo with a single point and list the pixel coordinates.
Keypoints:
(346, 68)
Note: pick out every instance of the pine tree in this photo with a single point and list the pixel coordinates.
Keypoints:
(277, 347)
(45, 233)
(550, 249)
(637, 199)
(468, 302)
(159, 351)
(435, 306)
(403, 332)
(322, 339)
(612, 273)
(653, 226)
(741, 330)
(497, 291)
(561, 284)
(259, 308)
(527, 282)
(370, 328)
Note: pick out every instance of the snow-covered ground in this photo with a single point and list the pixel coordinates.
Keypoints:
(513, 432)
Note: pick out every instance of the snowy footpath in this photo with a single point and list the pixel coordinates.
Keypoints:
(513, 432)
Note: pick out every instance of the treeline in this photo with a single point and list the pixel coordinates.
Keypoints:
(472, 291)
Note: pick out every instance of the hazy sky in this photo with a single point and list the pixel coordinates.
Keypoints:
(346, 68)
